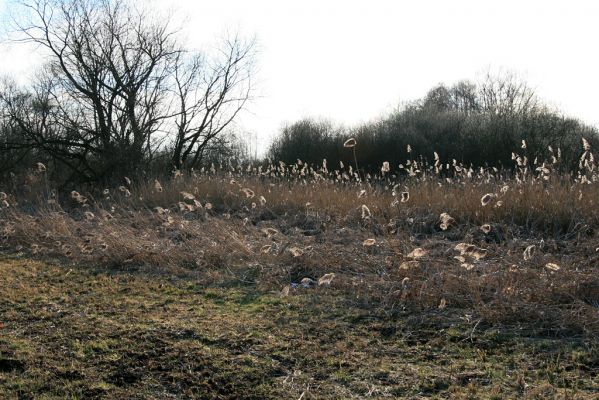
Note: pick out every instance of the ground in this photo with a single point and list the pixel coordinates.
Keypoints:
(81, 333)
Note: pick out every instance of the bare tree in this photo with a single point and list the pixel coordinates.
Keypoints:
(210, 94)
(117, 78)
(109, 67)
(34, 125)
(507, 95)
(464, 97)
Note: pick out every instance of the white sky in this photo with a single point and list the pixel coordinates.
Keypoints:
(352, 61)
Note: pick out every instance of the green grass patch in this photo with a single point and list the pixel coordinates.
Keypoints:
(77, 334)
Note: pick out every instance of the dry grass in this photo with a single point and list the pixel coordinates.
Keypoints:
(273, 227)
(87, 333)
(481, 264)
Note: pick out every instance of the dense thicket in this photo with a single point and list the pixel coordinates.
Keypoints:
(479, 124)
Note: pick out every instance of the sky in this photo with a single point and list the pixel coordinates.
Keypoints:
(354, 61)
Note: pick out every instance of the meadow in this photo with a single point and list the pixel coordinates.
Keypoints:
(305, 281)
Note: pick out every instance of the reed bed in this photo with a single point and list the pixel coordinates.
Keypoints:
(513, 248)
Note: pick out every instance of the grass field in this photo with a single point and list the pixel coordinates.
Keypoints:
(79, 333)
(301, 282)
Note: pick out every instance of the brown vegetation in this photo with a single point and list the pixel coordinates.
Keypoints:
(515, 252)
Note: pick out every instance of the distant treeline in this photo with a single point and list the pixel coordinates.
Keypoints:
(479, 124)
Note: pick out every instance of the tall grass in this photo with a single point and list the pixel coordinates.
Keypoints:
(516, 248)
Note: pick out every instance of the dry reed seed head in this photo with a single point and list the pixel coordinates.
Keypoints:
(78, 197)
(307, 282)
(442, 304)
(249, 193)
(361, 193)
(486, 228)
(89, 215)
(486, 199)
(184, 207)
(523, 146)
(417, 253)
(385, 168)
(35, 248)
(351, 142)
(187, 196)
(529, 252)
(460, 258)
(106, 192)
(405, 196)
(270, 231)
(409, 149)
(405, 283)
(125, 191)
(265, 249)
(262, 201)
(369, 242)
(552, 267)
(326, 279)
(407, 265)
(208, 206)
(41, 167)
(4, 204)
(160, 210)
(295, 252)
(3, 196)
(169, 221)
(285, 291)
(157, 186)
(467, 266)
(446, 221)
(127, 181)
(365, 212)
(478, 253)
(178, 174)
(464, 248)
(585, 145)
